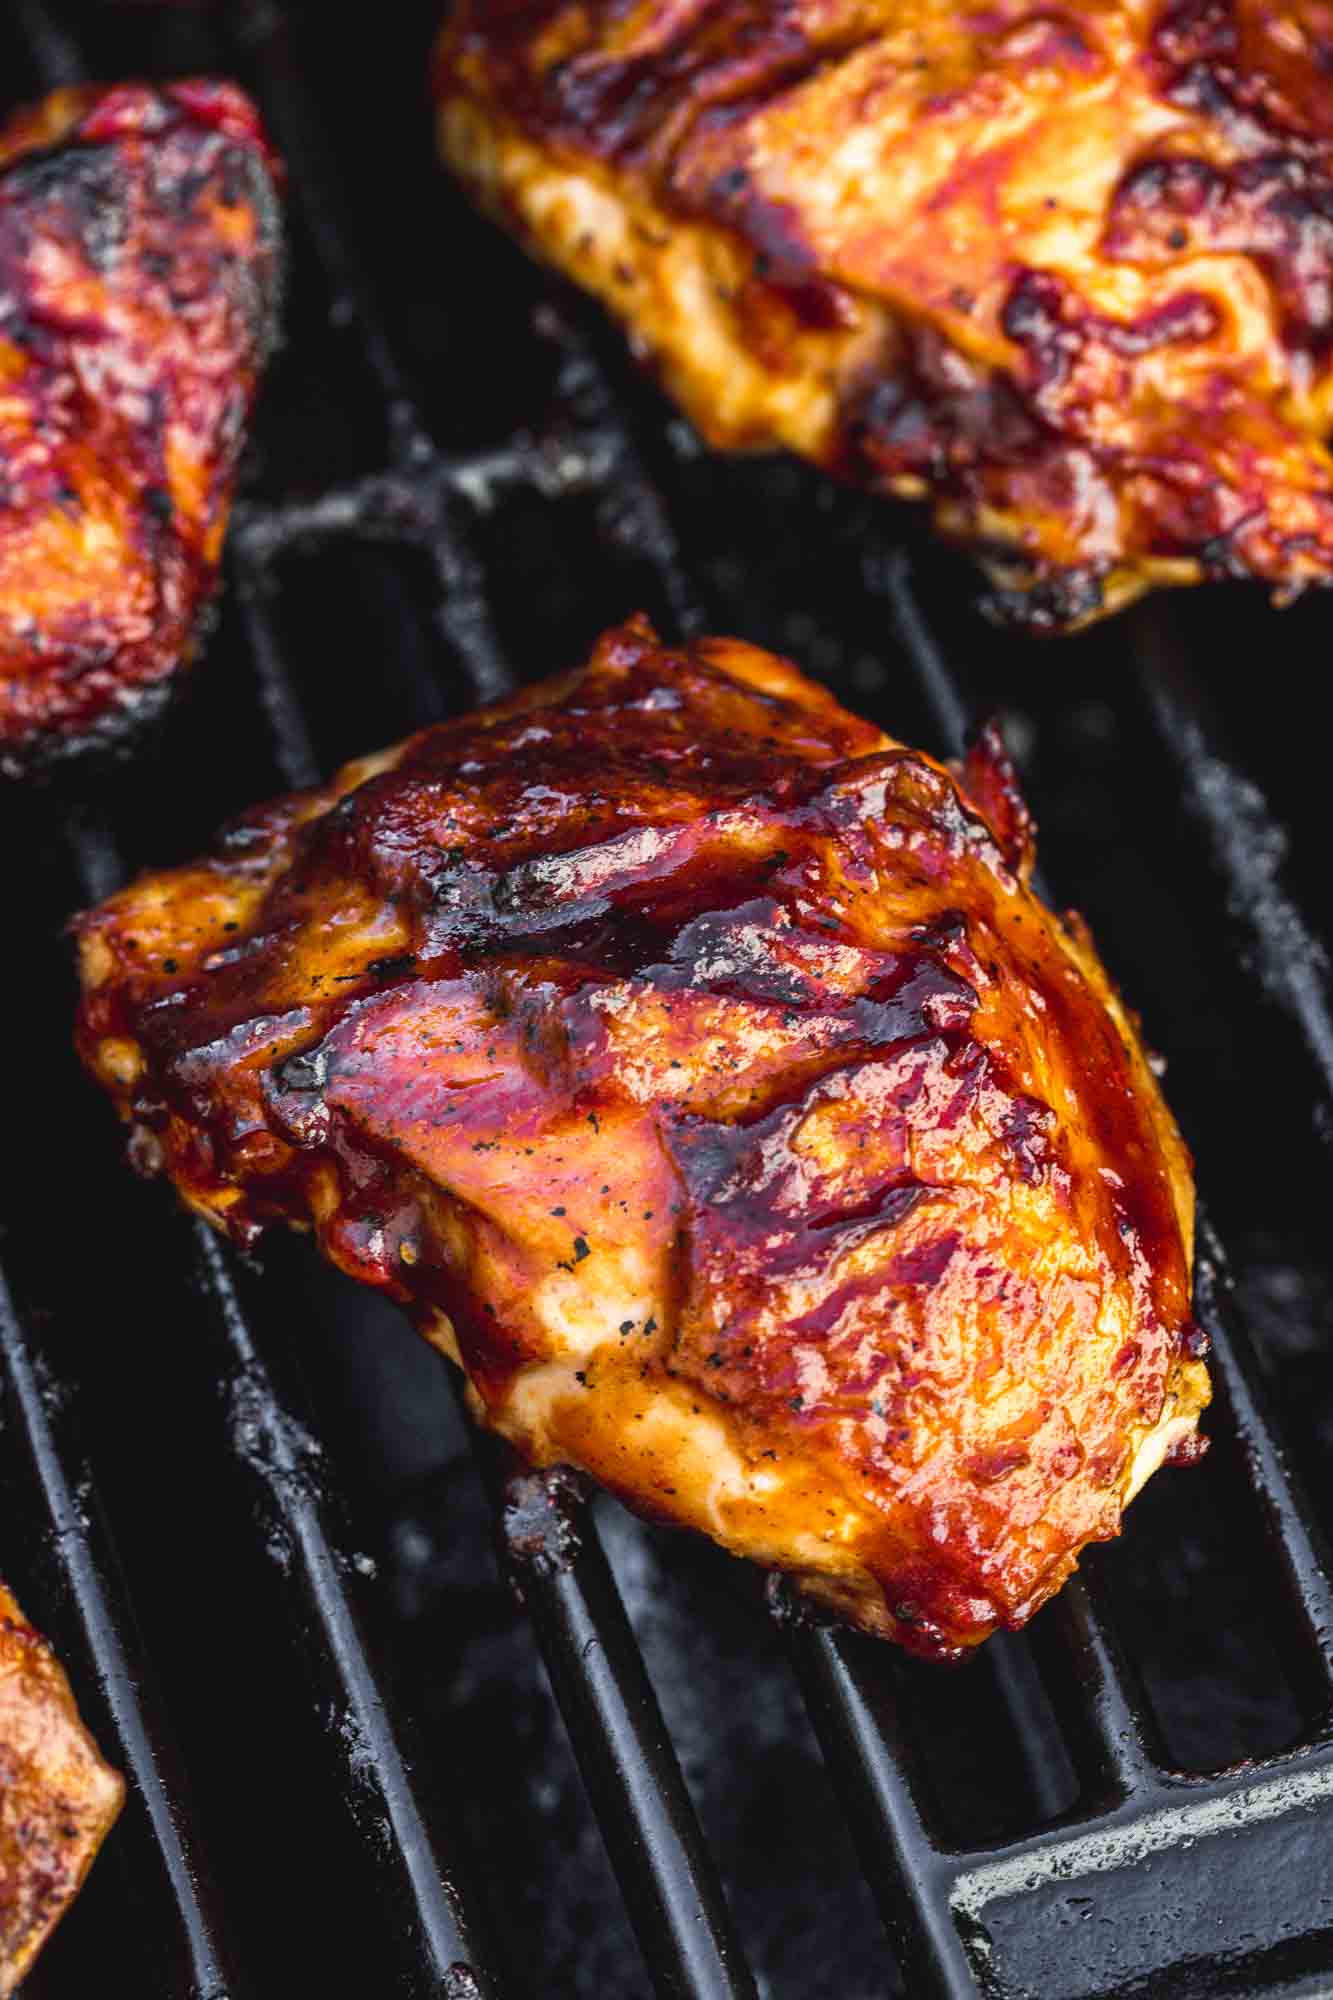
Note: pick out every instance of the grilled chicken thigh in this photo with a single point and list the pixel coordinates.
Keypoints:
(695, 1065)
(1066, 271)
(57, 1798)
(138, 282)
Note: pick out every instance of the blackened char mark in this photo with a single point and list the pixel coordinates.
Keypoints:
(740, 1166)
(615, 109)
(1276, 208)
(1045, 317)
(934, 415)
(83, 187)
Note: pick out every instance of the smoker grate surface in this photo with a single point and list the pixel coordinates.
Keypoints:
(452, 493)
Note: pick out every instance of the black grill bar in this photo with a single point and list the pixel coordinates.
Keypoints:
(262, 33)
(293, 751)
(645, 522)
(198, 1961)
(1246, 845)
(1302, 1555)
(1187, 1810)
(888, 574)
(412, 1877)
(54, 52)
(1096, 1697)
(647, 1819)
(864, 1738)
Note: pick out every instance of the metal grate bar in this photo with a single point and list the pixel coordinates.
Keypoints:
(91, 1572)
(552, 1553)
(1096, 1698)
(54, 53)
(1302, 1557)
(888, 574)
(293, 751)
(869, 1754)
(1246, 845)
(262, 33)
(417, 1882)
(644, 518)
(1189, 1808)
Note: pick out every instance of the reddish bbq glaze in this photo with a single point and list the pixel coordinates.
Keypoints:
(1068, 273)
(57, 1798)
(138, 292)
(693, 1062)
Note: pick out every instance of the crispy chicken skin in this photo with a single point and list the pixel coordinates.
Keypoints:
(58, 1799)
(138, 289)
(694, 1064)
(1065, 270)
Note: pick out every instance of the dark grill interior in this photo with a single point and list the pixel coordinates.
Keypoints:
(244, 1505)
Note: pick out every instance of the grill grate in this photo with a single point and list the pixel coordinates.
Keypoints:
(1126, 1873)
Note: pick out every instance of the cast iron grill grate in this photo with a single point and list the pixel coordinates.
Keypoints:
(460, 497)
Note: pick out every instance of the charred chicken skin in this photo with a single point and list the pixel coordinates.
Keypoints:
(138, 282)
(1066, 271)
(695, 1065)
(57, 1798)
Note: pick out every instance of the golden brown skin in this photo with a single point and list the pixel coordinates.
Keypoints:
(1065, 270)
(138, 290)
(693, 1063)
(58, 1800)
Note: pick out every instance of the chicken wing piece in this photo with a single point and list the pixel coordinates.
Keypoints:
(695, 1065)
(139, 265)
(58, 1800)
(1064, 270)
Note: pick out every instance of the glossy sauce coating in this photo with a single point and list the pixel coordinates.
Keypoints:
(692, 1062)
(58, 1799)
(1064, 270)
(138, 289)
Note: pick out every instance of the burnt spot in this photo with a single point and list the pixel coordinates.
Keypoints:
(782, 255)
(1048, 320)
(943, 418)
(1043, 600)
(78, 190)
(396, 965)
(1195, 31)
(1276, 208)
(1029, 1133)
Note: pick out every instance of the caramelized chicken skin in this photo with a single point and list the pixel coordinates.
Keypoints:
(695, 1065)
(1066, 271)
(138, 286)
(58, 1799)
